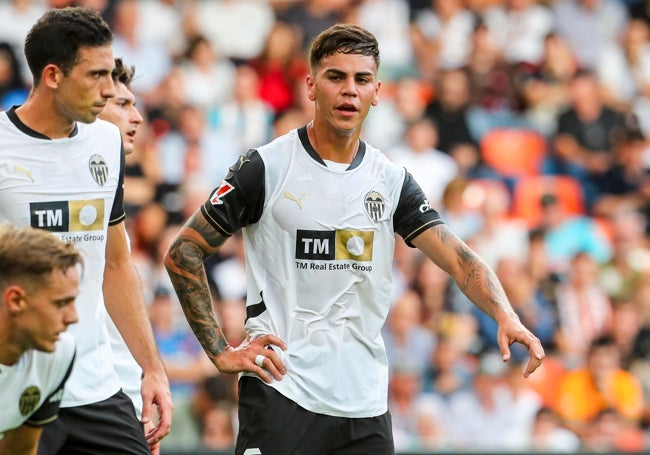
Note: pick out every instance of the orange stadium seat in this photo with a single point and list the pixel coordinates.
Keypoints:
(513, 152)
(529, 190)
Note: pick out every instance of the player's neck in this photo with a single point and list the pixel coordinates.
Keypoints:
(331, 145)
(10, 351)
(41, 116)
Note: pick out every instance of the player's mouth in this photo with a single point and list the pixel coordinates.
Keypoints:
(347, 109)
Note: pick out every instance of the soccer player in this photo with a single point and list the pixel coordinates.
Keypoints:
(121, 111)
(319, 209)
(64, 173)
(38, 284)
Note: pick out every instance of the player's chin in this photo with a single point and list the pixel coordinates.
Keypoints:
(47, 345)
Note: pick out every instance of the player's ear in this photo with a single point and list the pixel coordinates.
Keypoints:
(375, 99)
(14, 299)
(310, 87)
(51, 76)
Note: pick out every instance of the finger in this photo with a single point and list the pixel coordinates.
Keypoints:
(146, 410)
(271, 340)
(273, 364)
(157, 432)
(504, 347)
(262, 373)
(532, 365)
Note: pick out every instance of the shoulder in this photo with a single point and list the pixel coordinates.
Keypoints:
(100, 129)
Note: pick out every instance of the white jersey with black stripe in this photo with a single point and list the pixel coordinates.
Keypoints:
(32, 388)
(69, 187)
(319, 250)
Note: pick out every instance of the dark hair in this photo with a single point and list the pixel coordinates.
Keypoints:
(59, 34)
(123, 73)
(344, 38)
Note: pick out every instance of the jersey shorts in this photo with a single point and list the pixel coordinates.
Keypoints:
(110, 427)
(301, 432)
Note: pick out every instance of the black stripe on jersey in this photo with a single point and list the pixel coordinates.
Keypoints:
(304, 140)
(253, 311)
(242, 205)
(11, 114)
(117, 211)
(50, 407)
(413, 215)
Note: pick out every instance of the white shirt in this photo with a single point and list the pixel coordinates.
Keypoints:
(31, 389)
(68, 186)
(319, 245)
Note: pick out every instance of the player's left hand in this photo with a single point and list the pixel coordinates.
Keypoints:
(157, 397)
(512, 330)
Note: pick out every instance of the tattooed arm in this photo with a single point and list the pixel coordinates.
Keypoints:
(480, 284)
(184, 261)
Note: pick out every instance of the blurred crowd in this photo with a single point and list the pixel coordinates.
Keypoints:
(526, 124)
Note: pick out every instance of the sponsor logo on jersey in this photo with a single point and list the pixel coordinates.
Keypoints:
(23, 170)
(425, 206)
(29, 400)
(375, 205)
(339, 245)
(296, 199)
(98, 169)
(68, 216)
(220, 192)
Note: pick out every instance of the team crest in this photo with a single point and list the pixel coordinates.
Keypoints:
(29, 400)
(375, 205)
(98, 169)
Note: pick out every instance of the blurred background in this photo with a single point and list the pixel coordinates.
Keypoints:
(526, 124)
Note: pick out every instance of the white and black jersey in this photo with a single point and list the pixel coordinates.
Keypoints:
(32, 388)
(72, 187)
(319, 247)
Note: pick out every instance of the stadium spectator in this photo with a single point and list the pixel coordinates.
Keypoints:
(600, 384)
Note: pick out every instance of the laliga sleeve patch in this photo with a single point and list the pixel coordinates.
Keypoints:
(223, 189)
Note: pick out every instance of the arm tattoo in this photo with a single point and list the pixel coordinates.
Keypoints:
(187, 272)
(479, 276)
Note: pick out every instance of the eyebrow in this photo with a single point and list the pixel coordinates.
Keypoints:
(121, 98)
(341, 72)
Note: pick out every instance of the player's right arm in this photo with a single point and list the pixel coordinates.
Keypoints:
(195, 242)
(21, 441)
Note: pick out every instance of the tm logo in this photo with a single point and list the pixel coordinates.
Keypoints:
(67, 216)
(336, 245)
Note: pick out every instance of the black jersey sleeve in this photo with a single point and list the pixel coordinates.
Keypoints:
(117, 212)
(413, 214)
(50, 407)
(239, 199)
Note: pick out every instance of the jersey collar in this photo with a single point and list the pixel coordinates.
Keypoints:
(304, 139)
(11, 113)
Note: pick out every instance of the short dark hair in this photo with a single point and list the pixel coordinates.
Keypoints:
(344, 38)
(123, 73)
(59, 34)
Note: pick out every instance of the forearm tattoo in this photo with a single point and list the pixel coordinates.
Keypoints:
(479, 279)
(187, 272)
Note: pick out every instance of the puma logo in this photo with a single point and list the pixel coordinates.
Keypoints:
(291, 197)
(21, 170)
